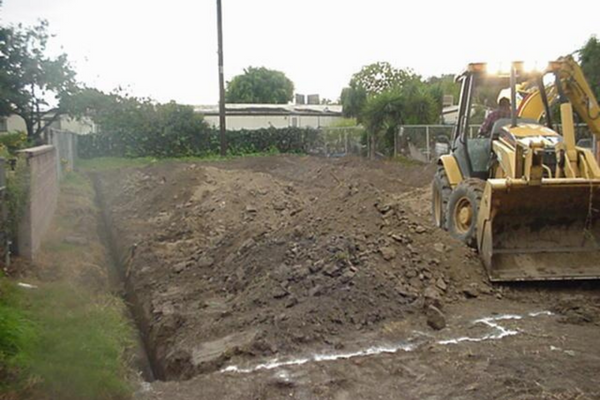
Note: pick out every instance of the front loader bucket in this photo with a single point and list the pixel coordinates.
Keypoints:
(540, 232)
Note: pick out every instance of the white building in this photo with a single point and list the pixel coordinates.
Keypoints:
(257, 116)
(81, 126)
(12, 124)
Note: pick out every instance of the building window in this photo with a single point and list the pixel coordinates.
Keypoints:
(294, 122)
(3, 125)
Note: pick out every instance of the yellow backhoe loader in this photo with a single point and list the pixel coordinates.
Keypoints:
(525, 196)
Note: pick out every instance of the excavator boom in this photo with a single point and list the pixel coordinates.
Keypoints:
(575, 88)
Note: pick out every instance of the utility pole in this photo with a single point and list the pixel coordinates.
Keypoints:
(222, 127)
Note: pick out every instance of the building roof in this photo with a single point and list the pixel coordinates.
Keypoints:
(273, 109)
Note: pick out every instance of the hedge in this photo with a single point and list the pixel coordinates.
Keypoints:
(202, 143)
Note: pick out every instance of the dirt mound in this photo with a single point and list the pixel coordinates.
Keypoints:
(264, 256)
(578, 309)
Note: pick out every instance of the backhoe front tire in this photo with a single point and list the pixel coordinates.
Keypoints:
(463, 208)
(441, 191)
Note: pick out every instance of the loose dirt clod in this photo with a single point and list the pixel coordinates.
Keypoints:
(435, 318)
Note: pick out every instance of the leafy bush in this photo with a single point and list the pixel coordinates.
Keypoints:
(383, 114)
(134, 127)
(17, 193)
(260, 86)
(203, 141)
(12, 142)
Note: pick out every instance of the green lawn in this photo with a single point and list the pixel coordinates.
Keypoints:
(107, 163)
(64, 340)
(61, 342)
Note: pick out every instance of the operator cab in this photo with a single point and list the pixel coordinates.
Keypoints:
(474, 155)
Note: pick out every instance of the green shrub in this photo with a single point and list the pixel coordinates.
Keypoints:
(13, 142)
(17, 192)
(200, 142)
(136, 127)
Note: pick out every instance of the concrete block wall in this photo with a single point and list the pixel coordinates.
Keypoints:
(66, 147)
(43, 198)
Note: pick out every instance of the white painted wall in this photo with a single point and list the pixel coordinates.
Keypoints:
(237, 122)
(65, 123)
(81, 126)
(14, 123)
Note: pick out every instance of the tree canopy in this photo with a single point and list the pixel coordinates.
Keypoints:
(32, 84)
(590, 63)
(353, 99)
(412, 103)
(138, 124)
(260, 86)
(373, 80)
(379, 77)
(444, 85)
(383, 97)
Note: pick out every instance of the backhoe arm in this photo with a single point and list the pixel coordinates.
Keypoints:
(575, 87)
(578, 92)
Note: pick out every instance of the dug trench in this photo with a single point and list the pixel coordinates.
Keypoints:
(235, 263)
(144, 360)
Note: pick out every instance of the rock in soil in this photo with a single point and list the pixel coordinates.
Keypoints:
(435, 318)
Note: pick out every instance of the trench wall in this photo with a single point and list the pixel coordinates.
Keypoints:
(120, 254)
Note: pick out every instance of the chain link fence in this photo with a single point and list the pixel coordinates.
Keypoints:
(426, 143)
(341, 141)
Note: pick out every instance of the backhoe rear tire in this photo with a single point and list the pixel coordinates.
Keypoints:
(441, 191)
(463, 208)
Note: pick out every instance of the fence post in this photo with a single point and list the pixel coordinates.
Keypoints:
(2, 176)
(4, 237)
(428, 154)
(345, 141)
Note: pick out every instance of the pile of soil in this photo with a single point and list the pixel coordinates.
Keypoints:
(267, 256)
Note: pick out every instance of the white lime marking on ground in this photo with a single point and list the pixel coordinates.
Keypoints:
(499, 332)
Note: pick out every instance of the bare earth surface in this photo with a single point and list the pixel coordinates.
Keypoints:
(311, 278)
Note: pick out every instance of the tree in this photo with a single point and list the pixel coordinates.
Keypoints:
(260, 86)
(442, 85)
(590, 63)
(138, 126)
(372, 80)
(33, 85)
(353, 99)
(379, 77)
(383, 114)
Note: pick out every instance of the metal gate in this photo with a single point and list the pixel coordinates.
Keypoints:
(427, 142)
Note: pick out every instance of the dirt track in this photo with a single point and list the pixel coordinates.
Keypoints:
(331, 268)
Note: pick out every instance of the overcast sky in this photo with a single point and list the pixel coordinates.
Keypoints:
(167, 49)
